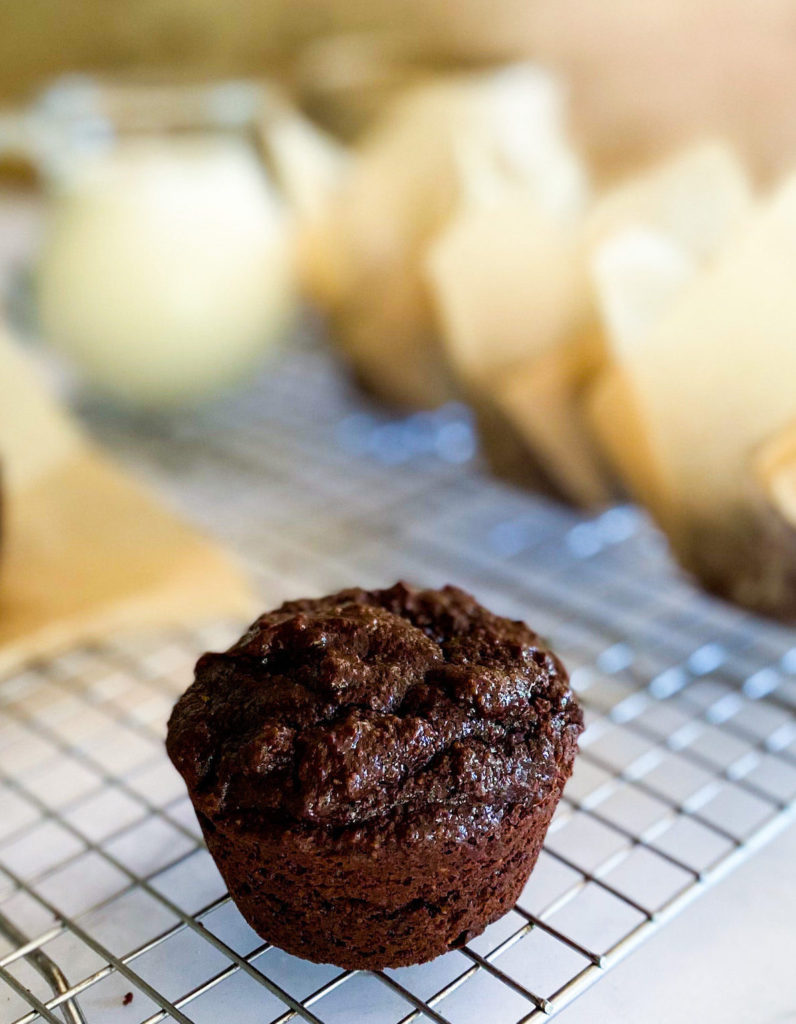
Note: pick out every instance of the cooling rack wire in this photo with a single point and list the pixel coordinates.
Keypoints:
(111, 910)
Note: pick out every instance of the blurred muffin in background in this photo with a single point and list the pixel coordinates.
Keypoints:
(441, 151)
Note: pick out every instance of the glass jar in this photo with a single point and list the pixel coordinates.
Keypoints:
(166, 263)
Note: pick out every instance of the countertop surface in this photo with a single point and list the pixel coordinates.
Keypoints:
(726, 959)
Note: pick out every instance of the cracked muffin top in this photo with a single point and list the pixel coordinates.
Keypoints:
(370, 705)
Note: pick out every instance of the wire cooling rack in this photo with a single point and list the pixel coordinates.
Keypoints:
(111, 910)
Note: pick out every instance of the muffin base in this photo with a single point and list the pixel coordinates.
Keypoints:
(359, 906)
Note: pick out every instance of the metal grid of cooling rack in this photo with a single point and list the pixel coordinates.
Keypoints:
(111, 910)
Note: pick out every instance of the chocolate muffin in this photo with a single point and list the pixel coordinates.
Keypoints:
(374, 771)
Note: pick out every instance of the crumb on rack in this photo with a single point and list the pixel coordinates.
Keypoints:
(128, 998)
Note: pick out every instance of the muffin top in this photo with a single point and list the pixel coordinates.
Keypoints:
(402, 703)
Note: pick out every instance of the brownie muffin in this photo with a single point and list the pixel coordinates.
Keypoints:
(374, 771)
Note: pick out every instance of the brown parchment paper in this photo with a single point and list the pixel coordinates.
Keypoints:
(84, 549)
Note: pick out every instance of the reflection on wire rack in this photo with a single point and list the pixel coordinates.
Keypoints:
(112, 910)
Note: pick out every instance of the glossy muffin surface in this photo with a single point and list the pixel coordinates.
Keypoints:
(374, 771)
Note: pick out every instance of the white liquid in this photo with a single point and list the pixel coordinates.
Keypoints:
(167, 267)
